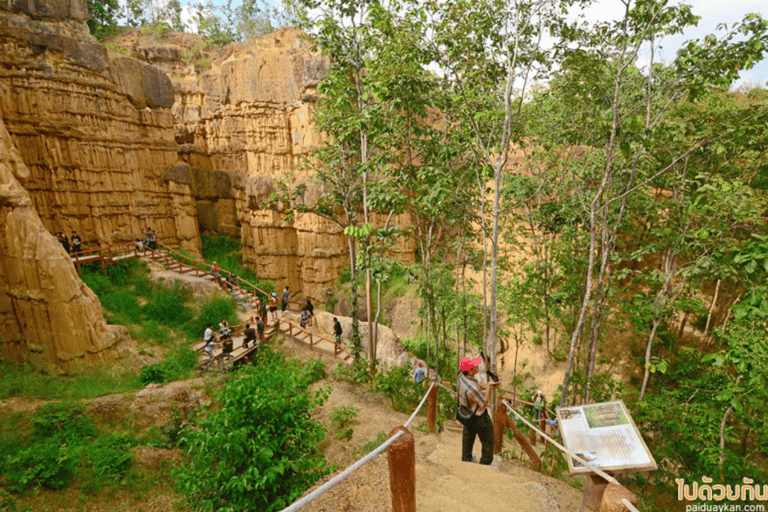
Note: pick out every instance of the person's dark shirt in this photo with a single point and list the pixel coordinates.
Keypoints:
(337, 328)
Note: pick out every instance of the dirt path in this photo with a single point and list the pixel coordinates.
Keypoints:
(443, 482)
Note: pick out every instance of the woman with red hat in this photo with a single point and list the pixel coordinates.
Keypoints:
(475, 397)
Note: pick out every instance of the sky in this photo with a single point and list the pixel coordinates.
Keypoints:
(712, 12)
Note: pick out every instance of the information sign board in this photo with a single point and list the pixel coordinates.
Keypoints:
(605, 436)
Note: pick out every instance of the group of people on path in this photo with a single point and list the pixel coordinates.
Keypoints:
(76, 246)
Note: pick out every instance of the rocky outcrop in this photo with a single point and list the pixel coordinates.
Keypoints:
(250, 116)
(47, 315)
(95, 129)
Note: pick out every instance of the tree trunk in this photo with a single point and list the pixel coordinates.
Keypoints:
(712, 307)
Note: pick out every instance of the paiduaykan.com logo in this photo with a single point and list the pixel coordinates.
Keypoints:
(746, 491)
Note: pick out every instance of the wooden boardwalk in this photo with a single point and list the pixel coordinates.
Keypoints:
(244, 291)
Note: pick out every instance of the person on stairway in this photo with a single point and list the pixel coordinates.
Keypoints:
(476, 397)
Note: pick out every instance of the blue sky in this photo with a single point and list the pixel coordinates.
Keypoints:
(712, 12)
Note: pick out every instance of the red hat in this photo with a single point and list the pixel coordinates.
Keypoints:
(419, 363)
(468, 363)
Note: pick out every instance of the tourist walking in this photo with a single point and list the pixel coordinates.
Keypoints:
(260, 328)
(337, 331)
(273, 306)
(286, 297)
(475, 397)
(76, 241)
(311, 308)
(250, 335)
(419, 374)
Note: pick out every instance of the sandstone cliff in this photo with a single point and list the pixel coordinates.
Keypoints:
(47, 314)
(87, 142)
(94, 129)
(249, 115)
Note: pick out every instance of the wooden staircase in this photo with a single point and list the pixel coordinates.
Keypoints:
(245, 293)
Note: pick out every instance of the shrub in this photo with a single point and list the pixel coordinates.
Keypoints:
(212, 310)
(62, 422)
(109, 456)
(314, 370)
(260, 450)
(397, 385)
(48, 464)
(371, 445)
(341, 420)
(153, 373)
(357, 373)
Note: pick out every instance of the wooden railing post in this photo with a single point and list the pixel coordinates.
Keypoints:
(401, 456)
(498, 427)
(432, 409)
(311, 343)
(506, 421)
(594, 487)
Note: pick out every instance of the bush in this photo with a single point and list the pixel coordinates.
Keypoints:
(48, 464)
(397, 384)
(109, 456)
(212, 310)
(153, 373)
(62, 441)
(260, 450)
(356, 373)
(341, 420)
(62, 422)
(314, 370)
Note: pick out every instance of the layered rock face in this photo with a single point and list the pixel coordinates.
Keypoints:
(87, 140)
(249, 116)
(47, 314)
(94, 129)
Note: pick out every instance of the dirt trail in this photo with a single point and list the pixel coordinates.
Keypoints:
(443, 482)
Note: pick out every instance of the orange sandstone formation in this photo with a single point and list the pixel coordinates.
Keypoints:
(47, 314)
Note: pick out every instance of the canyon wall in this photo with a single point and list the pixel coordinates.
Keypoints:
(94, 128)
(249, 115)
(87, 142)
(47, 315)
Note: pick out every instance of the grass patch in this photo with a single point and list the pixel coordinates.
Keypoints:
(27, 381)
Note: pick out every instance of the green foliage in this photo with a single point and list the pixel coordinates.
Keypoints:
(103, 20)
(63, 443)
(27, 381)
(313, 370)
(212, 310)
(259, 451)
(341, 420)
(153, 373)
(397, 384)
(372, 444)
(355, 374)
(62, 421)
(166, 305)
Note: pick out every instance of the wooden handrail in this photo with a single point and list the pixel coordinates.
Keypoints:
(205, 267)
